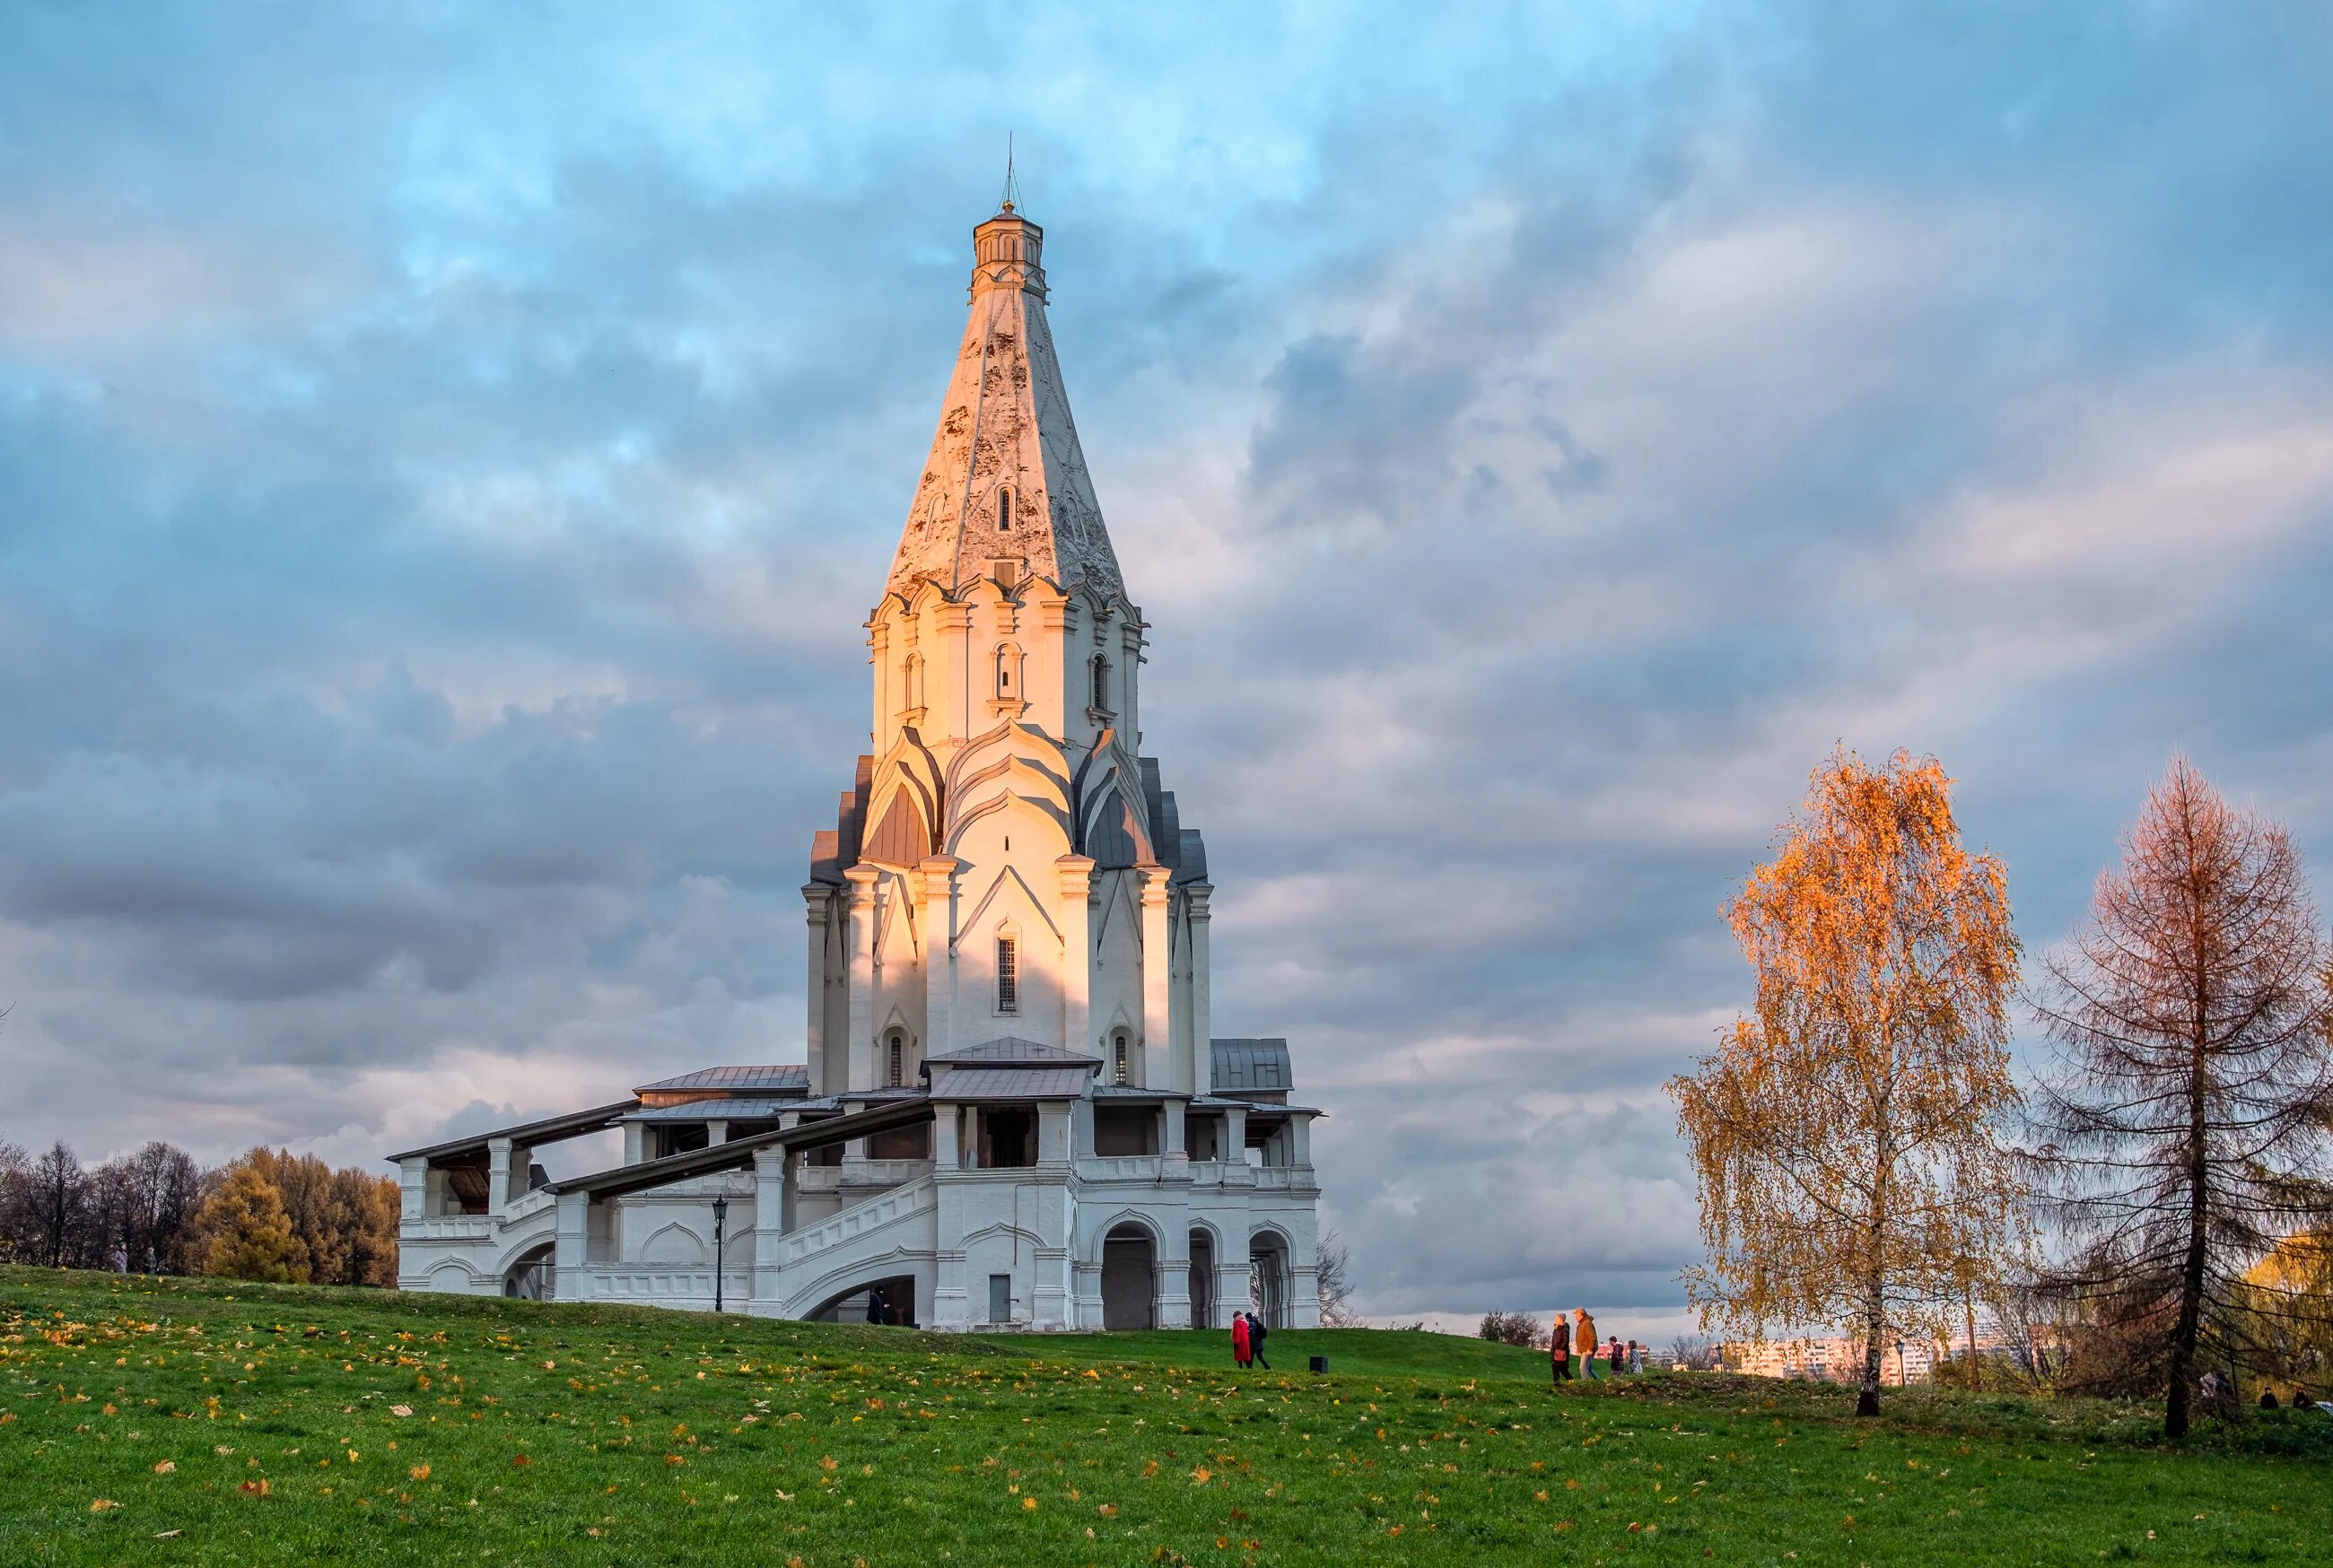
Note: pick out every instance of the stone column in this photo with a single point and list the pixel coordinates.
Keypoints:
(636, 1142)
(572, 1249)
(939, 954)
(1158, 1042)
(1173, 1307)
(1234, 1152)
(861, 1048)
(1077, 951)
(771, 1203)
(1201, 1067)
(816, 897)
(498, 1174)
(945, 1127)
(716, 1132)
(1174, 1137)
(1300, 1141)
(412, 1188)
(1053, 1132)
(1234, 1277)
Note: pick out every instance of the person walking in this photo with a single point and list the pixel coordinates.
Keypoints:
(1583, 1334)
(1256, 1334)
(1636, 1357)
(875, 1305)
(1558, 1349)
(1238, 1339)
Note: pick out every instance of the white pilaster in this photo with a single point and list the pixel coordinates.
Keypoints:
(860, 1048)
(1077, 951)
(1157, 1043)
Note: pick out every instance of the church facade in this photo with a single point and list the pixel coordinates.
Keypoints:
(1013, 1111)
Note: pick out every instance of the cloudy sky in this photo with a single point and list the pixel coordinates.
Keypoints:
(447, 452)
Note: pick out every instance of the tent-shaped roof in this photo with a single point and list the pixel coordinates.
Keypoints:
(1013, 1051)
(748, 1080)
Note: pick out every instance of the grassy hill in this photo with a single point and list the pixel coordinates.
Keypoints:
(174, 1422)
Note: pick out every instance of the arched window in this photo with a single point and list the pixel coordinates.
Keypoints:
(1008, 663)
(898, 1060)
(911, 682)
(1118, 1058)
(1008, 975)
(1004, 510)
(1102, 683)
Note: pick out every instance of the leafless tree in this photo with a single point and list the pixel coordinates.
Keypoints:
(1512, 1328)
(1693, 1351)
(2182, 1119)
(1333, 1282)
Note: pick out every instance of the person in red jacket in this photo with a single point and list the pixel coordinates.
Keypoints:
(1558, 1349)
(1238, 1339)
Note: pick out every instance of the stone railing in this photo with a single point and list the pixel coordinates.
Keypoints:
(448, 1227)
(1129, 1167)
(528, 1204)
(663, 1285)
(837, 1228)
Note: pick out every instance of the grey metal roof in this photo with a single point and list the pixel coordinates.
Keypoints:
(1258, 1064)
(1134, 1091)
(1252, 1107)
(1013, 1049)
(763, 1079)
(738, 1153)
(727, 1108)
(549, 1130)
(1013, 1083)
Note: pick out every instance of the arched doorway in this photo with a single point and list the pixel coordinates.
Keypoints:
(529, 1275)
(893, 1301)
(1129, 1279)
(1203, 1279)
(1268, 1263)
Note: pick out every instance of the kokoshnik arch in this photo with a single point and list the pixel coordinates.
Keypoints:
(1013, 1111)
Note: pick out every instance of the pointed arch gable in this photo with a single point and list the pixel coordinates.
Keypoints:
(1016, 894)
(1041, 816)
(902, 837)
(1115, 836)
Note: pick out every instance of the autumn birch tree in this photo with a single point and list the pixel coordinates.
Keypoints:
(1845, 1136)
(2183, 1119)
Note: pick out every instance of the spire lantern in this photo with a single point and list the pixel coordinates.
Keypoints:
(1004, 252)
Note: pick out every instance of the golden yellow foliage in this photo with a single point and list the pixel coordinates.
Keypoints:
(1845, 1136)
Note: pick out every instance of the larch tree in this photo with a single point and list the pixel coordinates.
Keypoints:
(246, 1233)
(2182, 1117)
(1846, 1137)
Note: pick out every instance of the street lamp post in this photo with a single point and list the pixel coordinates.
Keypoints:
(720, 1219)
(1903, 1372)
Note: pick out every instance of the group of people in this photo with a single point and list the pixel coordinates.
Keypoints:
(1578, 1337)
(1248, 1335)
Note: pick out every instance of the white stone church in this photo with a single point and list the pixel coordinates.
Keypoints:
(1013, 1113)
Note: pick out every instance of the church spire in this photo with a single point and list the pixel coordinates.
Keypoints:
(1006, 478)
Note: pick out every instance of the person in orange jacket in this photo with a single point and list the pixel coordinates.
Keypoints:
(1583, 1334)
(1558, 1349)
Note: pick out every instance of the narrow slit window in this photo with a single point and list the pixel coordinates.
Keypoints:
(1008, 975)
(1004, 512)
(1118, 1060)
(1102, 683)
(898, 1060)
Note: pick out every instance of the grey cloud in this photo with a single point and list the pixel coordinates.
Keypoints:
(429, 603)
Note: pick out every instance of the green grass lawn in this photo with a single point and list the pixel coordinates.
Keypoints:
(170, 1421)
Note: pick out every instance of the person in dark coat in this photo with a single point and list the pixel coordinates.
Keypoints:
(1255, 1337)
(875, 1305)
(1558, 1349)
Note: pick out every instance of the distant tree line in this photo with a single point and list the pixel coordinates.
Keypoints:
(268, 1215)
(2149, 1214)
